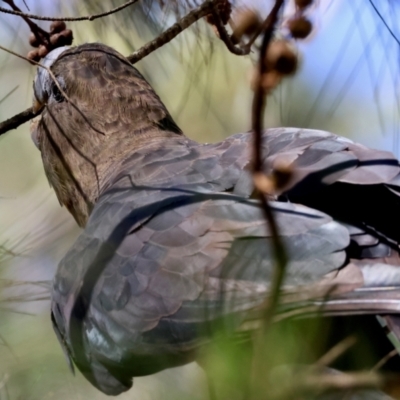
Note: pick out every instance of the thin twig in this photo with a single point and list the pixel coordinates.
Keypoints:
(279, 253)
(306, 382)
(336, 351)
(189, 19)
(17, 120)
(66, 19)
(385, 359)
(224, 35)
(384, 22)
(258, 114)
(9, 93)
(347, 381)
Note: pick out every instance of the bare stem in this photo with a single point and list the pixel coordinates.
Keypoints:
(17, 11)
(164, 38)
(258, 108)
(258, 114)
(17, 120)
(225, 37)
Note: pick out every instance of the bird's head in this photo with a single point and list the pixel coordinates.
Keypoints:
(94, 117)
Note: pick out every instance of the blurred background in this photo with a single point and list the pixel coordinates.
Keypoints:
(348, 83)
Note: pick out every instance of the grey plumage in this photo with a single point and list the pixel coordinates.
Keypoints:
(173, 241)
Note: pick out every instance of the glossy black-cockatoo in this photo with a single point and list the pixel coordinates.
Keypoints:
(174, 241)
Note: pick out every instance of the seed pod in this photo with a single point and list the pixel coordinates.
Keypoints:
(303, 3)
(33, 40)
(54, 39)
(43, 51)
(57, 26)
(282, 57)
(63, 38)
(278, 179)
(270, 80)
(247, 23)
(67, 37)
(300, 27)
(264, 183)
(33, 55)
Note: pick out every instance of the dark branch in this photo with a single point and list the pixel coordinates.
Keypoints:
(189, 19)
(280, 257)
(17, 120)
(384, 22)
(18, 12)
(258, 114)
(225, 37)
(9, 94)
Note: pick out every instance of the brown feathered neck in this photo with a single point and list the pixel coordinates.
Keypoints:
(111, 111)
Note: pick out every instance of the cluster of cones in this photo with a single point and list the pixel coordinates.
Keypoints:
(281, 58)
(58, 36)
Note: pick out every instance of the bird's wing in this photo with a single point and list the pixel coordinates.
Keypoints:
(153, 284)
(148, 293)
(163, 243)
(348, 181)
(318, 159)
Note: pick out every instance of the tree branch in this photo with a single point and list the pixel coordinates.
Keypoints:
(257, 119)
(225, 37)
(17, 120)
(184, 23)
(66, 19)
(279, 253)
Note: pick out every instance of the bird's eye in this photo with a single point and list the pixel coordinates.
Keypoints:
(55, 91)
